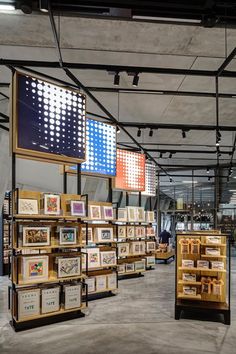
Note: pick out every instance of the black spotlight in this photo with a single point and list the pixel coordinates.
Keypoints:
(135, 80)
(209, 178)
(183, 134)
(139, 132)
(117, 79)
(43, 5)
(151, 132)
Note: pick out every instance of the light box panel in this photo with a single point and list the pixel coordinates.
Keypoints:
(130, 171)
(49, 120)
(150, 179)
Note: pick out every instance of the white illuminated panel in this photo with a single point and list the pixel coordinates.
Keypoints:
(150, 179)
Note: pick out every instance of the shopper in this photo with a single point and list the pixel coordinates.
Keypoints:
(164, 236)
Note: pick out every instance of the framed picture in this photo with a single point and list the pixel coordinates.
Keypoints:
(52, 204)
(150, 261)
(139, 231)
(112, 281)
(213, 239)
(95, 212)
(28, 303)
(101, 283)
(104, 234)
(35, 269)
(91, 284)
(28, 206)
(50, 299)
(217, 265)
(90, 234)
(189, 277)
(73, 295)
(203, 264)
(187, 263)
(139, 266)
(123, 249)
(108, 258)
(93, 257)
(150, 216)
(121, 231)
(130, 232)
(36, 236)
(150, 231)
(129, 267)
(121, 268)
(69, 267)
(151, 246)
(107, 212)
(77, 208)
(131, 211)
(122, 214)
(68, 236)
(140, 214)
(137, 248)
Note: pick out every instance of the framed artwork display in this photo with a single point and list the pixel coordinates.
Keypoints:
(35, 269)
(73, 296)
(139, 266)
(140, 214)
(137, 247)
(104, 234)
(151, 246)
(123, 249)
(28, 206)
(91, 284)
(187, 263)
(130, 231)
(202, 264)
(69, 267)
(77, 208)
(101, 282)
(189, 277)
(36, 236)
(218, 265)
(140, 231)
(129, 267)
(107, 212)
(150, 261)
(93, 257)
(112, 281)
(132, 215)
(95, 212)
(48, 120)
(52, 204)
(108, 258)
(130, 171)
(90, 234)
(28, 303)
(68, 236)
(50, 299)
(150, 216)
(150, 231)
(213, 239)
(121, 231)
(122, 214)
(121, 268)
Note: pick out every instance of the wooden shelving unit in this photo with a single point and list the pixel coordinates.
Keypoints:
(208, 288)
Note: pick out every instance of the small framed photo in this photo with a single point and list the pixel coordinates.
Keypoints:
(123, 249)
(150, 231)
(217, 265)
(121, 268)
(104, 234)
(77, 208)
(28, 206)
(121, 231)
(52, 204)
(108, 258)
(107, 213)
(129, 267)
(190, 290)
(69, 267)
(151, 246)
(90, 234)
(140, 231)
(130, 232)
(137, 248)
(140, 214)
(93, 257)
(187, 263)
(35, 269)
(122, 214)
(203, 264)
(150, 216)
(213, 251)
(150, 261)
(139, 266)
(95, 212)
(36, 236)
(131, 211)
(68, 236)
(91, 284)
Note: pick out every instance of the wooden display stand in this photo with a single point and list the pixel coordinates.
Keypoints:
(165, 256)
(202, 275)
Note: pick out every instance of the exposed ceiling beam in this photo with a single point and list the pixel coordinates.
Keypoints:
(4, 128)
(185, 127)
(226, 62)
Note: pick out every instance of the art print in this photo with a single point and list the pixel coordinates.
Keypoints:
(93, 257)
(122, 214)
(150, 216)
(107, 212)
(121, 232)
(129, 267)
(51, 204)
(69, 267)
(73, 294)
(50, 300)
(28, 303)
(123, 249)
(35, 268)
(140, 231)
(28, 206)
(130, 231)
(108, 258)
(140, 214)
(104, 234)
(150, 231)
(36, 236)
(77, 208)
(95, 212)
(131, 214)
(67, 236)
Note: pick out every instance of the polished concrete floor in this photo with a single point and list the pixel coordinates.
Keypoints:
(139, 320)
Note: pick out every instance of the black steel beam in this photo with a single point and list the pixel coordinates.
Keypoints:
(226, 62)
(167, 151)
(185, 127)
(5, 118)
(4, 128)
(115, 68)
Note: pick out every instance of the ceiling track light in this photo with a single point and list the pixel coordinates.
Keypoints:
(183, 134)
(117, 79)
(208, 171)
(135, 80)
(209, 178)
(151, 132)
(43, 5)
(171, 180)
(117, 129)
(139, 132)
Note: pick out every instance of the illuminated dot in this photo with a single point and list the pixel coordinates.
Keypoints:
(52, 121)
(52, 127)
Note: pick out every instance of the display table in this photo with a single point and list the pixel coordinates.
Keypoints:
(165, 256)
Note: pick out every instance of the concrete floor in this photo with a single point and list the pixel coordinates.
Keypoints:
(139, 320)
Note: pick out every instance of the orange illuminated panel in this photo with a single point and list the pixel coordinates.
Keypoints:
(130, 171)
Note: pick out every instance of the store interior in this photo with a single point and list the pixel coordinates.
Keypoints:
(129, 210)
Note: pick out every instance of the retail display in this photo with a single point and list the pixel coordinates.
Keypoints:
(5, 236)
(28, 206)
(95, 212)
(122, 214)
(69, 267)
(201, 273)
(107, 212)
(73, 296)
(68, 236)
(28, 303)
(50, 299)
(34, 269)
(36, 236)
(78, 208)
(103, 234)
(52, 204)
(150, 261)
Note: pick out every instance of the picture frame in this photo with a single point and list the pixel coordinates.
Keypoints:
(189, 277)
(129, 267)
(101, 283)
(112, 281)
(35, 269)
(190, 290)
(50, 299)
(68, 267)
(35, 236)
(68, 236)
(122, 214)
(28, 303)
(93, 257)
(123, 249)
(28, 206)
(73, 296)
(121, 268)
(107, 212)
(51, 204)
(151, 246)
(140, 231)
(150, 261)
(137, 248)
(104, 234)
(213, 251)
(91, 284)
(140, 214)
(90, 234)
(121, 232)
(203, 264)
(150, 217)
(108, 258)
(77, 208)
(139, 266)
(130, 232)
(150, 231)
(95, 212)
(131, 213)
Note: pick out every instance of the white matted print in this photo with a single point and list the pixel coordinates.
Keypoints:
(52, 204)
(50, 299)
(131, 211)
(150, 216)
(108, 258)
(95, 212)
(151, 246)
(69, 267)
(93, 257)
(68, 236)
(121, 231)
(130, 231)
(123, 249)
(28, 206)
(140, 214)
(122, 214)
(36, 236)
(77, 208)
(104, 234)
(35, 269)
(129, 267)
(28, 303)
